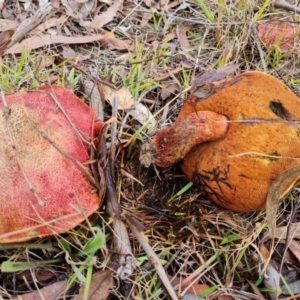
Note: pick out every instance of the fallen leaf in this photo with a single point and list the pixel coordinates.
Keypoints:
(145, 19)
(182, 38)
(197, 288)
(214, 75)
(68, 52)
(52, 22)
(102, 19)
(169, 74)
(39, 41)
(39, 275)
(277, 33)
(295, 249)
(126, 102)
(50, 292)
(87, 7)
(30, 23)
(280, 232)
(101, 283)
(44, 61)
(8, 25)
(169, 88)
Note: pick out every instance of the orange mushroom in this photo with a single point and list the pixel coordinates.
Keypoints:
(262, 139)
(44, 142)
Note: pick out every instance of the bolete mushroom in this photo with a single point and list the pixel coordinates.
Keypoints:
(45, 135)
(233, 137)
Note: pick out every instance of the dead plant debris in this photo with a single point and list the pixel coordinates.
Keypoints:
(135, 62)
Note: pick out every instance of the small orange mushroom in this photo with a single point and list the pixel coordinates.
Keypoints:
(44, 142)
(257, 137)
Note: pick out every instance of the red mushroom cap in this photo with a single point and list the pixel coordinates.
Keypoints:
(44, 145)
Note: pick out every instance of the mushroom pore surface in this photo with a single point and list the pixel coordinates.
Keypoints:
(44, 145)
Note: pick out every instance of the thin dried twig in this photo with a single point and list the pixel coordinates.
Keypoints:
(285, 5)
(260, 50)
(122, 244)
(151, 254)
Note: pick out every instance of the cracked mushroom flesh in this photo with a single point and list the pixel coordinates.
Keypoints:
(45, 187)
(260, 139)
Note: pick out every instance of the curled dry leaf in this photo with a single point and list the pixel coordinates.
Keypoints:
(102, 19)
(50, 292)
(126, 102)
(42, 40)
(281, 232)
(101, 283)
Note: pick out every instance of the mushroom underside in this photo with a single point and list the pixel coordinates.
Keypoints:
(45, 186)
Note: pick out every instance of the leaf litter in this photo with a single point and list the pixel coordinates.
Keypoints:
(190, 232)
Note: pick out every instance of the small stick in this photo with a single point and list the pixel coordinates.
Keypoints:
(285, 5)
(260, 50)
(121, 239)
(151, 254)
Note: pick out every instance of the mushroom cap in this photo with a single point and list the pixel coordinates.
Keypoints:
(44, 145)
(262, 139)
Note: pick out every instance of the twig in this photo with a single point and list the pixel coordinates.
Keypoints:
(121, 239)
(113, 132)
(260, 50)
(285, 5)
(151, 254)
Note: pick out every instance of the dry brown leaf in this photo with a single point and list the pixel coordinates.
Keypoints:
(169, 88)
(50, 292)
(8, 25)
(182, 37)
(68, 52)
(170, 73)
(44, 61)
(214, 75)
(36, 42)
(280, 232)
(101, 283)
(52, 22)
(72, 7)
(145, 19)
(152, 3)
(295, 249)
(39, 275)
(116, 44)
(126, 102)
(30, 23)
(197, 288)
(102, 19)
(87, 7)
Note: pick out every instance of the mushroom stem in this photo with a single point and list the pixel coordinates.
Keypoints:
(172, 144)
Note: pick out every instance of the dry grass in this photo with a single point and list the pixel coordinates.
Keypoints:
(190, 235)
